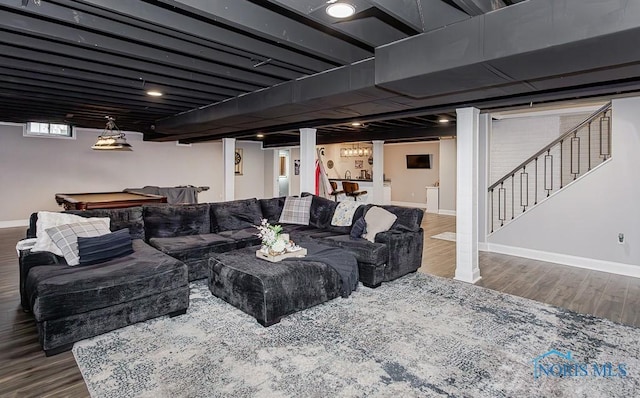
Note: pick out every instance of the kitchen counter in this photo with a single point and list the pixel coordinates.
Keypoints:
(366, 185)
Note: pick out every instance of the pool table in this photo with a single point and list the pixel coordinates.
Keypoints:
(106, 200)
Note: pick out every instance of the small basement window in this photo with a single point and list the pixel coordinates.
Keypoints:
(52, 130)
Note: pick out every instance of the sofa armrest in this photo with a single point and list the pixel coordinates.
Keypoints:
(405, 252)
(28, 260)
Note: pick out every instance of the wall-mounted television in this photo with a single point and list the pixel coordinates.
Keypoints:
(418, 161)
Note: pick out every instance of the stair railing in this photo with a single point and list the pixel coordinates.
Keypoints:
(552, 168)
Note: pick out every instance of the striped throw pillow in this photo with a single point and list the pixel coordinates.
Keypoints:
(105, 247)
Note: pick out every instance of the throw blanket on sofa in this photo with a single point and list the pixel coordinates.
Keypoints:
(343, 262)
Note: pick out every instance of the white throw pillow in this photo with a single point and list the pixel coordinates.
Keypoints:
(66, 237)
(48, 219)
(378, 220)
(296, 210)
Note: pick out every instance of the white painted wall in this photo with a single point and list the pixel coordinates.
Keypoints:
(585, 218)
(448, 179)
(409, 185)
(33, 169)
(251, 184)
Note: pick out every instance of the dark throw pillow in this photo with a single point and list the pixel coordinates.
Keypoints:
(100, 249)
(358, 229)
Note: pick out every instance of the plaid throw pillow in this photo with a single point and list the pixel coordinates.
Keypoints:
(65, 237)
(296, 210)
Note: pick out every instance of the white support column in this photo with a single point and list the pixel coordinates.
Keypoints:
(229, 167)
(378, 173)
(308, 160)
(467, 269)
(483, 178)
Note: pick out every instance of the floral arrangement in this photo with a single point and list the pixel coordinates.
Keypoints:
(273, 240)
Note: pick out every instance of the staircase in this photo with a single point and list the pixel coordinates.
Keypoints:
(552, 168)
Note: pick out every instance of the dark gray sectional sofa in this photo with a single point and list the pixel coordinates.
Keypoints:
(172, 245)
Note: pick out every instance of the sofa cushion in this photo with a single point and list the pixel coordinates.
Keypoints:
(409, 218)
(243, 237)
(129, 217)
(321, 211)
(296, 210)
(237, 214)
(365, 251)
(56, 291)
(189, 247)
(166, 221)
(378, 220)
(272, 208)
(66, 236)
(99, 249)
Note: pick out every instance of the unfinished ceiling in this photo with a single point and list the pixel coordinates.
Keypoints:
(236, 68)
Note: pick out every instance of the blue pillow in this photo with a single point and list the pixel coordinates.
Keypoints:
(358, 228)
(103, 248)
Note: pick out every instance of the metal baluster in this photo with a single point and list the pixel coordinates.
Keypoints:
(513, 180)
(492, 215)
(561, 164)
(575, 160)
(502, 208)
(589, 143)
(548, 172)
(524, 187)
(535, 199)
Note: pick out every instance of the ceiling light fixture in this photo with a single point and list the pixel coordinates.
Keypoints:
(111, 139)
(443, 120)
(260, 135)
(356, 124)
(154, 93)
(340, 10)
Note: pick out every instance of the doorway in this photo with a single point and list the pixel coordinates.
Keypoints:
(283, 172)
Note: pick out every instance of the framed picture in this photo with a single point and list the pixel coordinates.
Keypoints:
(238, 161)
(359, 164)
(296, 167)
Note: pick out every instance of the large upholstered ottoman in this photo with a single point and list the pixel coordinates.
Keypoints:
(268, 291)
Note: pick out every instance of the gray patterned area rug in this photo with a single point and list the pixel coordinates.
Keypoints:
(419, 336)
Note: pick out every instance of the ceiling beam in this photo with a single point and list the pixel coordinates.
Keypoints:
(277, 28)
(479, 7)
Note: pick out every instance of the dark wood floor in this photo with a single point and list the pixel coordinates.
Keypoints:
(26, 372)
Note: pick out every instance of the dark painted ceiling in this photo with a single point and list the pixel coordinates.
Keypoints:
(236, 68)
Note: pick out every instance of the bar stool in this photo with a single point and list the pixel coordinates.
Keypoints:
(352, 189)
(335, 192)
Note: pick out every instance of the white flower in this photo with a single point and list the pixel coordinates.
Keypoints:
(279, 246)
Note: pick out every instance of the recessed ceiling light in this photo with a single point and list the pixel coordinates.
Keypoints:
(356, 124)
(260, 135)
(341, 10)
(443, 120)
(154, 93)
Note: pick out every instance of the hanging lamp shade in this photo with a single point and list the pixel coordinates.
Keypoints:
(112, 139)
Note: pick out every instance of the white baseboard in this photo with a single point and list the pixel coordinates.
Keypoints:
(565, 259)
(410, 204)
(14, 223)
(447, 212)
(483, 246)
